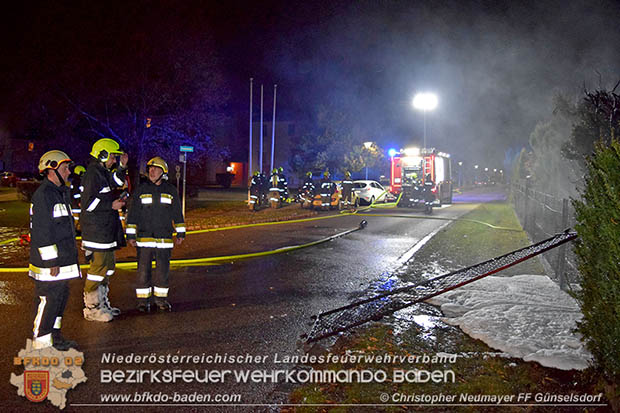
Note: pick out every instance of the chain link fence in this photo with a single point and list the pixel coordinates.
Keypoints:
(543, 215)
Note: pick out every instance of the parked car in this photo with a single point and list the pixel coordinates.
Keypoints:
(370, 191)
(11, 178)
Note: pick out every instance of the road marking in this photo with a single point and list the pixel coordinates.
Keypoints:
(409, 254)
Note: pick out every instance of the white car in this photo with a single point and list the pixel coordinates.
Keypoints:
(370, 191)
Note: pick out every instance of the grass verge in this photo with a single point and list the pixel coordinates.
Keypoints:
(215, 214)
(14, 214)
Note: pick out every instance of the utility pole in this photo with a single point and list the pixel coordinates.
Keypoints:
(273, 125)
(250, 146)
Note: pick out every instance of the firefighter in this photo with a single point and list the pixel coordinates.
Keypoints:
(307, 189)
(53, 253)
(282, 185)
(101, 226)
(410, 191)
(327, 189)
(76, 190)
(429, 197)
(347, 190)
(154, 207)
(255, 189)
(264, 189)
(274, 189)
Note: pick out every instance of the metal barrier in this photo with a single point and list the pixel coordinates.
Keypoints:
(340, 319)
(542, 215)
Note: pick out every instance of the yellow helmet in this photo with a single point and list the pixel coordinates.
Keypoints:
(52, 160)
(158, 161)
(79, 170)
(347, 174)
(326, 174)
(103, 148)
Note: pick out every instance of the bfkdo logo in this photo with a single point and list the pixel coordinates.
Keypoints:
(36, 385)
(48, 374)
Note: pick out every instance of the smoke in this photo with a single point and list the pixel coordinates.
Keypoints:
(494, 65)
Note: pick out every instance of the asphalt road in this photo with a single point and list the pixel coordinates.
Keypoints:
(257, 307)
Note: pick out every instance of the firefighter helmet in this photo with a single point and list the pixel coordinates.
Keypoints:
(275, 171)
(309, 174)
(281, 170)
(159, 162)
(52, 160)
(347, 174)
(79, 170)
(326, 174)
(256, 173)
(103, 148)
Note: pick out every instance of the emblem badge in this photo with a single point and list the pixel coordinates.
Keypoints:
(36, 385)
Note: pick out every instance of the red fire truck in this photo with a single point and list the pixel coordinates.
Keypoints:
(412, 161)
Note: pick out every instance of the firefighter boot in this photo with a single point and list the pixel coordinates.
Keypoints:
(93, 308)
(163, 304)
(61, 343)
(105, 301)
(144, 305)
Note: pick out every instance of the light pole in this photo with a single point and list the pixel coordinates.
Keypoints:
(460, 174)
(425, 102)
(367, 145)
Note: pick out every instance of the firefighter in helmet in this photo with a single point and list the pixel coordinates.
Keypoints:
(429, 197)
(307, 189)
(255, 189)
(347, 190)
(327, 189)
(154, 214)
(102, 232)
(275, 195)
(53, 253)
(76, 190)
(282, 184)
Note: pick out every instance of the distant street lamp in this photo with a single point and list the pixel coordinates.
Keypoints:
(425, 102)
(367, 145)
(460, 173)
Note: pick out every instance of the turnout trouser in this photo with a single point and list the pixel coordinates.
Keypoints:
(157, 285)
(50, 300)
(101, 269)
(346, 197)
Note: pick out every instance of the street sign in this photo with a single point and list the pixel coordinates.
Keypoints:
(184, 148)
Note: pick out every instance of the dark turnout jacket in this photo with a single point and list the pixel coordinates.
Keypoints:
(101, 225)
(152, 211)
(52, 234)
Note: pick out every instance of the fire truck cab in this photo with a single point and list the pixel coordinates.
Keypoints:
(413, 162)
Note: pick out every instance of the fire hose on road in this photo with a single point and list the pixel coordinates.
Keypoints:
(332, 322)
(222, 259)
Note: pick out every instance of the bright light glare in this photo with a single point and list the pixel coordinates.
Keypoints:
(425, 101)
(412, 151)
(392, 152)
(367, 145)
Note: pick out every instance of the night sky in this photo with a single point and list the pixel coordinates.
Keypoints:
(494, 65)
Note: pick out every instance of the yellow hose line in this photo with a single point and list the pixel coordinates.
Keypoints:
(132, 265)
(260, 224)
(442, 219)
